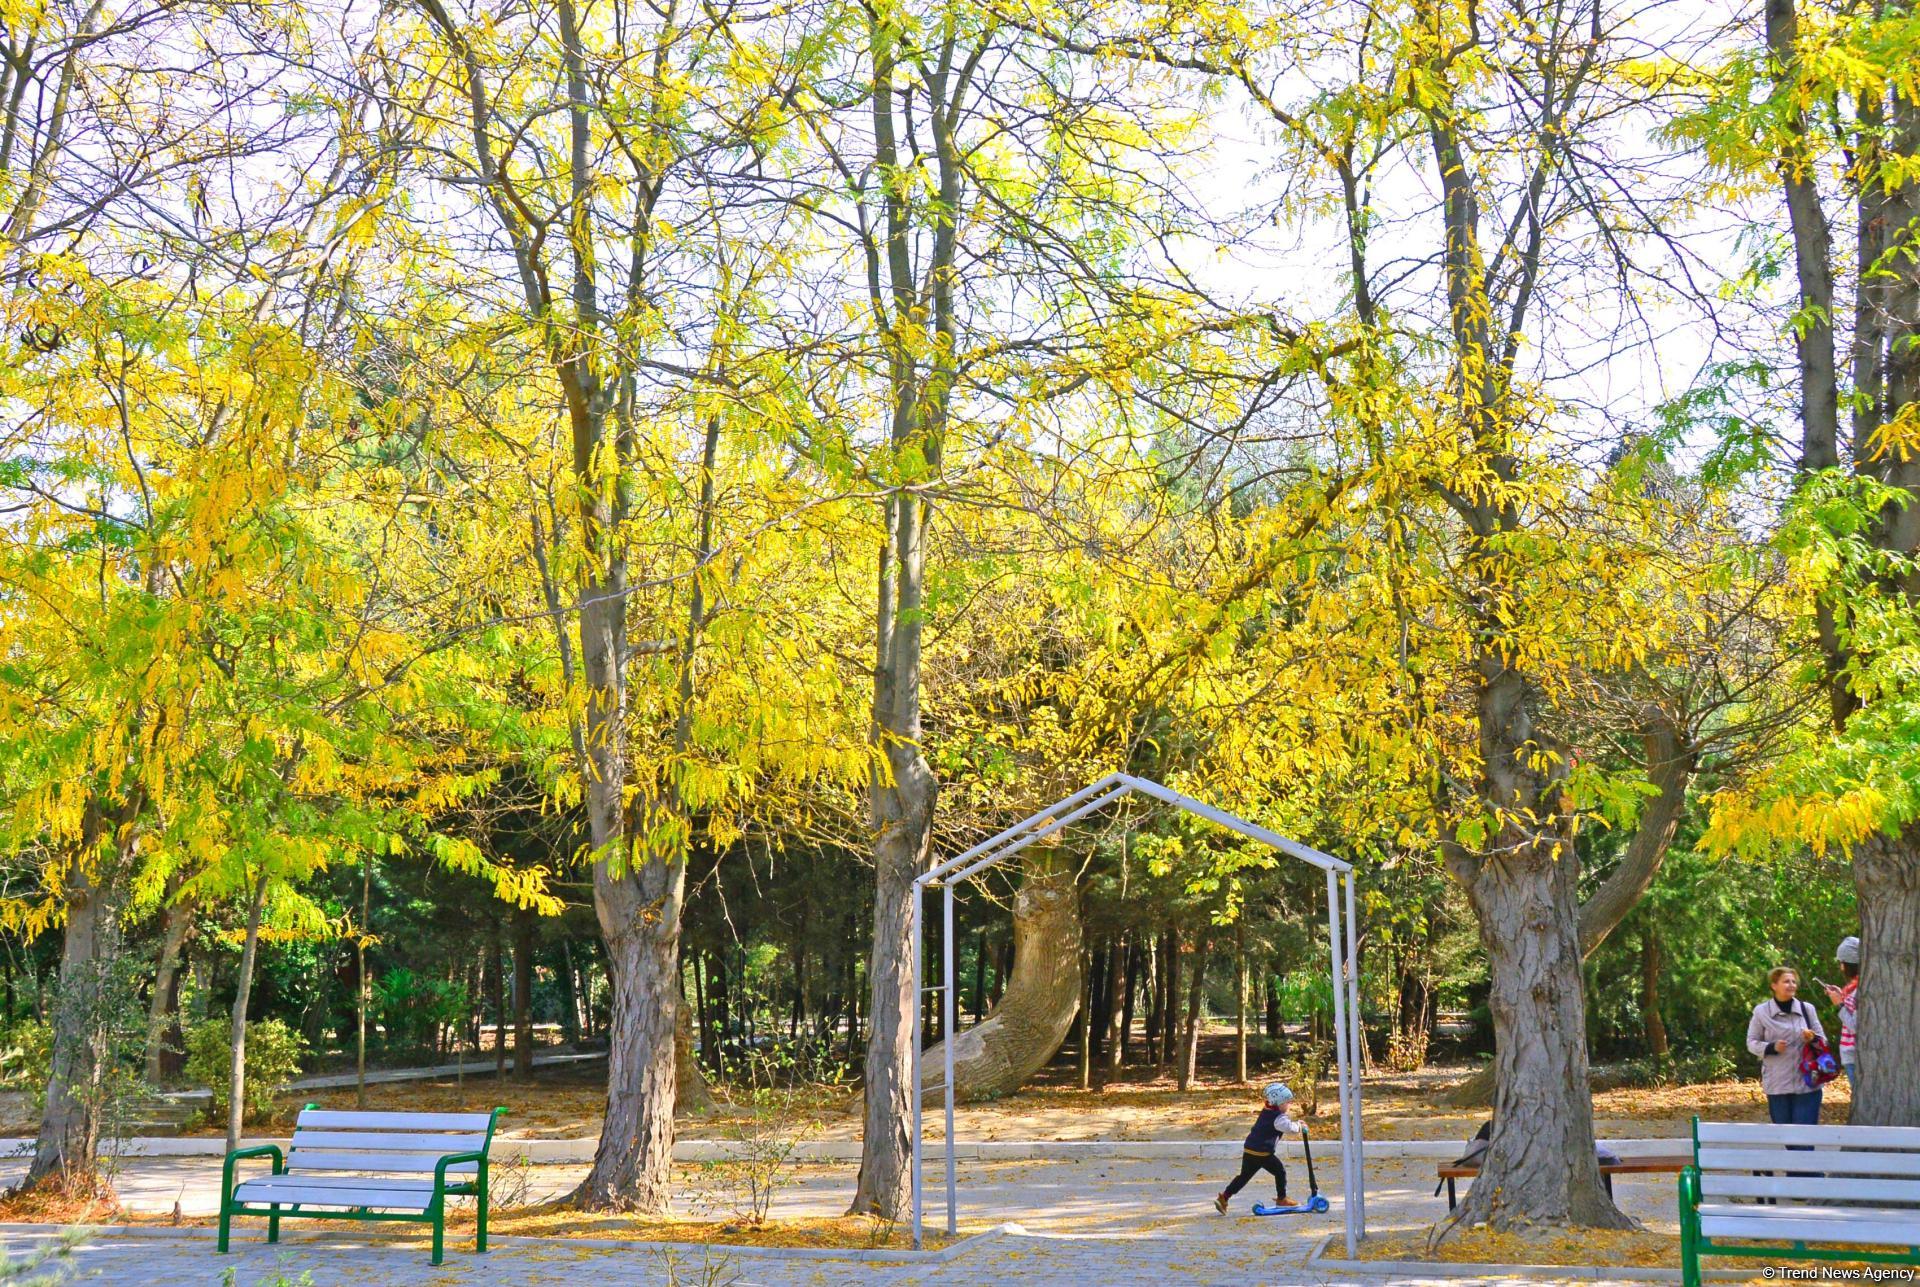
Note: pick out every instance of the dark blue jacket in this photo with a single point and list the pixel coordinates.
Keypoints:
(1266, 1130)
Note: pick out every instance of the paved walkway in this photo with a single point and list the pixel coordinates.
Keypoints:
(1118, 1221)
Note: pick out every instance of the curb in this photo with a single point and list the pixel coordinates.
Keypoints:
(875, 1255)
(1481, 1270)
(550, 1152)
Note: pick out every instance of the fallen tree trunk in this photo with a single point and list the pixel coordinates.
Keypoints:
(1033, 1016)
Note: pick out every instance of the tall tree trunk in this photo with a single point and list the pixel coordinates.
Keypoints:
(1886, 874)
(1671, 762)
(363, 989)
(497, 996)
(1240, 999)
(1036, 1012)
(1885, 388)
(570, 996)
(523, 994)
(979, 975)
(1134, 955)
(1156, 987)
(166, 984)
(1084, 1025)
(1196, 1003)
(1272, 991)
(66, 1154)
(691, 1092)
(242, 994)
(1170, 1002)
(1523, 893)
(1650, 1020)
(1116, 990)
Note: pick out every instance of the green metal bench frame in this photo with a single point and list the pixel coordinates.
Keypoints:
(435, 1213)
(1694, 1244)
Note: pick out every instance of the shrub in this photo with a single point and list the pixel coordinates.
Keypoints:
(274, 1052)
(28, 1056)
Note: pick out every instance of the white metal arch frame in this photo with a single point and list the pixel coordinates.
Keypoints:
(1063, 813)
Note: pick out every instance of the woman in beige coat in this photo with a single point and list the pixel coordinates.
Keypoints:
(1780, 1030)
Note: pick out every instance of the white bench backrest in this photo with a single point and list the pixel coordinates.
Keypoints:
(334, 1140)
(1853, 1164)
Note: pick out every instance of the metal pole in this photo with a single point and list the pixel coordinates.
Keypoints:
(913, 917)
(946, 1001)
(1340, 1051)
(1360, 1063)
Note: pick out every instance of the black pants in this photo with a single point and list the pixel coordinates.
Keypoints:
(1251, 1164)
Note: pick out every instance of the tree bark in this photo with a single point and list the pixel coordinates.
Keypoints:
(66, 1154)
(1170, 999)
(1671, 763)
(1084, 1023)
(1650, 1020)
(979, 975)
(522, 995)
(1542, 1143)
(243, 991)
(1240, 1000)
(166, 985)
(497, 994)
(1134, 954)
(691, 1092)
(1196, 1002)
(1886, 875)
(1036, 1012)
(1118, 996)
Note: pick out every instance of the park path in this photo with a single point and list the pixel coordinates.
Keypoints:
(1091, 1221)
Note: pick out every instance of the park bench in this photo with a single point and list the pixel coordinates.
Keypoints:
(1853, 1189)
(367, 1166)
(1663, 1164)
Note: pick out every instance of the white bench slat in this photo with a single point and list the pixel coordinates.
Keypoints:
(393, 1142)
(1825, 1161)
(1719, 1184)
(266, 1193)
(1874, 1137)
(346, 1183)
(1776, 1227)
(350, 1120)
(305, 1159)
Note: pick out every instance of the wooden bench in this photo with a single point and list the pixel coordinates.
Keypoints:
(1854, 1188)
(367, 1166)
(1663, 1164)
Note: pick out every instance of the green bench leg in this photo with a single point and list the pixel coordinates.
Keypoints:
(439, 1229)
(273, 1224)
(226, 1225)
(480, 1220)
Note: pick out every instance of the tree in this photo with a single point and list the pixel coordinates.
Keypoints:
(1828, 94)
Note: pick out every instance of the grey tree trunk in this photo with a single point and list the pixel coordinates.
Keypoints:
(1671, 763)
(1522, 884)
(1886, 874)
(237, 1069)
(1027, 1026)
(690, 1089)
(1196, 1004)
(1882, 387)
(66, 1154)
(523, 994)
(1119, 1002)
(915, 295)
(166, 993)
